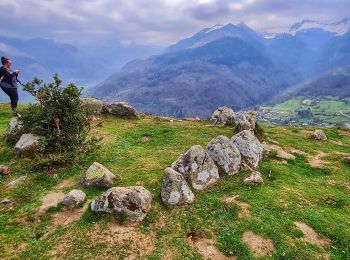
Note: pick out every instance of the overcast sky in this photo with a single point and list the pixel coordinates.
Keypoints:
(153, 22)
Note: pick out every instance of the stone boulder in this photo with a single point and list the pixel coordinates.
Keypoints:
(225, 155)
(121, 109)
(74, 198)
(97, 176)
(175, 190)
(319, 135)
(197, 167)
(243, 124)
(92, 106)
(14, 130)
(250, 116)
(131, 202)
(223, 116)
(5, 170)
(254, 179)
(250, 148)
(27, 145)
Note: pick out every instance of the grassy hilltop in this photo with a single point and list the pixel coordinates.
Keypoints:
(138, 151)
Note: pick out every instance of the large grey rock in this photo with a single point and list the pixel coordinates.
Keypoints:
(223, 116)
(97, 176)
(131, 202)
(250, 148)
(250, 116)
(225, 155)
(319, 135)
(175, 190)
(27, 145)
(73, 198)
(16, 182)
(14, 130)
(243, 124)
(197, 167)
(254, 179)
(121, 109)
(92, 106)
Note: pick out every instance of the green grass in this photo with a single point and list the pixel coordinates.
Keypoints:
(291, 192)
(326, 110)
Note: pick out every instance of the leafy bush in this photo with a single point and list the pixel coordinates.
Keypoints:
(58, 117)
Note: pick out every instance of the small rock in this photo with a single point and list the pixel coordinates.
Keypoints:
(225, 155)
(197, 167)
(6, 202)
(74, 198)
(250, 148)
(121, 109)
(97, 176)
(92, 106)
(5, 170)
(14, 131)
(131, 202)
(175, 190)
(319, 135)
(27, 145)
(16, 183)
(254, 179)
(223, 116)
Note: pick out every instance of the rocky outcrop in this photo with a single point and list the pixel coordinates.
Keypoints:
(225, 155)
(74, 198)
(250, 116)
(97, 176)
(175, 190)
(121, 109)
(254, 179)
(14, 130)
(249, 147)
(223, 116)
(133, 203)
(197, 167)
(92, 106)
(243, 124)
(27, 145)
(319, 135)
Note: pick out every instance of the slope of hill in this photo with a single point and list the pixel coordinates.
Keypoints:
(310, 192)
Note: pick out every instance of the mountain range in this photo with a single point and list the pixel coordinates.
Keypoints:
(228, 65)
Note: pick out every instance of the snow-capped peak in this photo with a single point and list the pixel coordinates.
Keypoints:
(215, 27)
(338, 27)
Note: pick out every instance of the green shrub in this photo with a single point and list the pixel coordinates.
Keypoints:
(58, 117)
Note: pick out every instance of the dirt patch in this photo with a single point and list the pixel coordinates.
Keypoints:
(280, 153)
(244, 207)
(207, 249)
(306, 132)
(311, 236)
(296, 151)
(66, 217)
(336, 142)
(316, 161)
(344, 133)
(51, 199)
(259, 246)
(64, 184)
(146, 139)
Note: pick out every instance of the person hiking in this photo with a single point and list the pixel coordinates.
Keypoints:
(8, 82)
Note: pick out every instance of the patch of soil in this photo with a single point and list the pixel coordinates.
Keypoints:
(316, 161)
(64, 184)
(336, 142)
(296, 151)
(259, 246)
(244, 207)
(306, 132)
(281, 154)
(51, 199)
(206, 248)
(66, 217)
(311, 236)
(146, 139)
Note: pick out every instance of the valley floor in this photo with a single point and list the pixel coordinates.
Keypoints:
(301, 212)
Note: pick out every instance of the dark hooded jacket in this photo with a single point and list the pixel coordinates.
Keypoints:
(7, 79)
